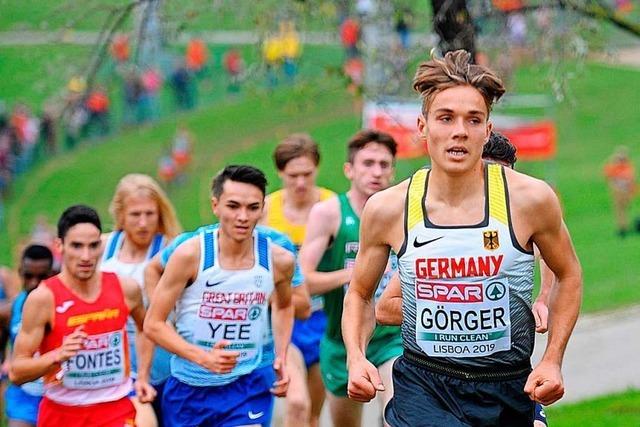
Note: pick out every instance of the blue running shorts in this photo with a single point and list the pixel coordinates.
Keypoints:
(21, 406)
(307, 334)
(246, 400)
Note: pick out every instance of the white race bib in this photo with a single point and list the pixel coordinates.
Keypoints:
(463, 319)
(101, 363)
(237, 317)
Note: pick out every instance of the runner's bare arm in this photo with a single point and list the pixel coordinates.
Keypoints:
(282, 307)
(36, 315)
(181, 268)
(358, 317)
(282, 316)
(152, 273)
(144, 346)
(301, 301)
(552, 238)
(540, 306)
(389, 306)
(323, 223)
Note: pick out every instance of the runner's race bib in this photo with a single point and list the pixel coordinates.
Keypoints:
(463, 319)
(100, 363)
(237, 317)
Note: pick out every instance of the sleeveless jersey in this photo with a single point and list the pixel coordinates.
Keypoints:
(229, 305)
(33, 388)
(277, 238)
(342, 254)
(160, 369)
(277, 220)
(466, 289)
(100, 371)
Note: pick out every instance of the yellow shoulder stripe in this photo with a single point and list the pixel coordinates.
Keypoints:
(497, 194)
(415, 194)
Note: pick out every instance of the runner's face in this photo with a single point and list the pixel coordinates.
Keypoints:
(299, 176)
(34, 271)
(371, 170)
(141, 219)
(456, 128)
(239, 208)
(81, 250)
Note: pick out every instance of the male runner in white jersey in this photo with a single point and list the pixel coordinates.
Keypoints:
(221, 282)
(464, 233)
(389, 307)
(327, 257)
(73, 334)
(145, 221)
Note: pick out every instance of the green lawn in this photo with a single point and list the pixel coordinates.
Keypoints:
(32, 74)
(618, 410)
(192, 15)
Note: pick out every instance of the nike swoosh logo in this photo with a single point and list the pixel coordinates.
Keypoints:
(253, 416)
(209, 285)
(64, 306)
(417, 244)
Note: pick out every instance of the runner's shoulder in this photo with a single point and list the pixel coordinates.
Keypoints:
(41, 299)
(283, 260)
(388, 204)
(325, 210)
(527, 192)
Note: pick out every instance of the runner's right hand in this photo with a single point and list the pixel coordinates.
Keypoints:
(219, 360)
(364, 381)
(71, 344)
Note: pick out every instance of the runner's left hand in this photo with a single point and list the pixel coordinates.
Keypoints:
(281, 385)
(145, 391)
(545, 384)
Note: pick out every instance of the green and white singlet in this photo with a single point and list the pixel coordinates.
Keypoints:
(466, 289)
(342, 254)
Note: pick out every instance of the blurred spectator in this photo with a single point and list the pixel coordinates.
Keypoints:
(132, 94)
(349, 36)
(181, 84)
(403, 27)
(234, 67)
(120, 48)
(48, 143)
(624, 6)
(25, 129)
(181, 152)
(151, 85)
(167, 170)
(272, 56)
(291, 49)
(44, 233)
(196, 56)
(98, 108)
(620, 176)
(74, 120)
(517, 26)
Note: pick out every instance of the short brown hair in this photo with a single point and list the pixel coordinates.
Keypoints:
(363, 137)
(456, 69)
(294, 146)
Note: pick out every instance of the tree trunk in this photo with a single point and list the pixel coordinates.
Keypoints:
(452, 22)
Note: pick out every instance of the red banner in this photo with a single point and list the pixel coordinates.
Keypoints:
(534, 141)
